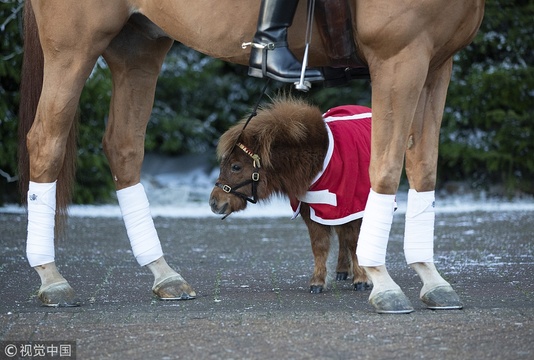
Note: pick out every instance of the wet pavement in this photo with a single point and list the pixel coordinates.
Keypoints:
(251, 277)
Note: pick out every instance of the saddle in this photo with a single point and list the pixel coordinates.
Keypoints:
(334, 22)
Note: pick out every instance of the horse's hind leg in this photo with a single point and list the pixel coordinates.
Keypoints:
(69, 58)
(421, 160)
(320, 242)
(348, 239)
(135, 61)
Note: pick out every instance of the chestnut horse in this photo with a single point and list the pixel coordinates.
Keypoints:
(407, 45)
(286, 145)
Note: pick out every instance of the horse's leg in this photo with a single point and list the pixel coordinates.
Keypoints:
(320, 243)
(397, 81)
(54, 290)
(348, 239)
(421, 162)
(69, 58)
(135, 61)
(46, 145)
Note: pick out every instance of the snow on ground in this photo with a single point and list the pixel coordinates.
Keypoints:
(279, 208)
(180, 188)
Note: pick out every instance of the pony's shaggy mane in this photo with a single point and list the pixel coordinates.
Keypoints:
(285, 119)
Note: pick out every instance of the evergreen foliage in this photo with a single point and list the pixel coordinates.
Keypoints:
(487, 135)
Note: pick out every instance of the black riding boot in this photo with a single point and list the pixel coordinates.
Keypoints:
(270, 55)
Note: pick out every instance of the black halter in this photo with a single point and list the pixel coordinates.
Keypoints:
(253, 181)
(255, 161)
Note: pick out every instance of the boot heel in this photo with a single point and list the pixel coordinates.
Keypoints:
(255, 72)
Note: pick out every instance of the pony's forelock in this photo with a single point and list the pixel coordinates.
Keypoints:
(284, 117)
(228, 140)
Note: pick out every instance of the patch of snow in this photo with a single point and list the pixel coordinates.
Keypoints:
(180, 188)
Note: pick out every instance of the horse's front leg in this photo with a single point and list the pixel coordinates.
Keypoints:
(421, 163)
(398, 80)
(135, 62)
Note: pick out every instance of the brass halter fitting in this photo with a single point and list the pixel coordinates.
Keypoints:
(255, 157)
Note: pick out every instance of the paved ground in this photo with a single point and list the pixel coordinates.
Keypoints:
(251, 276)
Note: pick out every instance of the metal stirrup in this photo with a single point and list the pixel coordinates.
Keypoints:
(305, 85)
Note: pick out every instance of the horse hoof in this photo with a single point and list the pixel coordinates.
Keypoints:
(58, 295)
(316, 289)
(362, 286)
(174, 288)
(340, 276)
(391, 302)
(442, 298)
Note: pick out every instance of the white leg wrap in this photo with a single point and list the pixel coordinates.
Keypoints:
(143, 237)
(374, 234)
(419, 230)
(41, 222)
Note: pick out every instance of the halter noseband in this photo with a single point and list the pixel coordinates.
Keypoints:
(253, 181)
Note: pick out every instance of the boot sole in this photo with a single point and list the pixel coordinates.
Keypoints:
(259, 74)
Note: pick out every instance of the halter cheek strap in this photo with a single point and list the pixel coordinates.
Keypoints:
(255, 158)
(255, 178)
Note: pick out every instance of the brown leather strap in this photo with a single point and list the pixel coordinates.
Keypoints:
(334, 22)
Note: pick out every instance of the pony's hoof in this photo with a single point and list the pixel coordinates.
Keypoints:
(391, 302)
(174, 288)
(442, 298)
(362, 286)
(340, 276)
(58, 295)
(316, 289)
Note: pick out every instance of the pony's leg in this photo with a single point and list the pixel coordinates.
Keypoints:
(348, 238)
(344, 258)
(421, 162)
(135, 61)
(69, 58)
(320, 242)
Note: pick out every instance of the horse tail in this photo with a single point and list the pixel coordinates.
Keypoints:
(30, 93)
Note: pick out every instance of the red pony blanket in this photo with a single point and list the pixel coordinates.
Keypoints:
(338, 194)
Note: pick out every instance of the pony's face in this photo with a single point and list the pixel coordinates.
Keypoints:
(237, 178)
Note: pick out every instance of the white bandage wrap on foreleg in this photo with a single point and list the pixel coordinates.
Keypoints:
(143, 237)
(419, 229)
(41, 221)
(374, 233)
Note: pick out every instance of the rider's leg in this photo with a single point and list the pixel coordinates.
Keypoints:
(270, 55)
